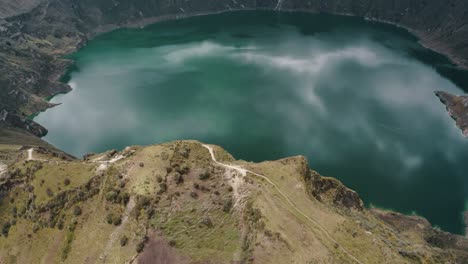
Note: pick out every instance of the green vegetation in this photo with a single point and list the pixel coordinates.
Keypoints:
(140, 246)
(67, 246)
(54, 176)
(113, 219)
(113, 215)
(6, 228)
(123, 241)
(204, 176)
(76, 211)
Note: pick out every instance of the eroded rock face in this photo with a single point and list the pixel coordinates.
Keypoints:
(331, 190)
(405, 224)
(10, 119)
(457, 107)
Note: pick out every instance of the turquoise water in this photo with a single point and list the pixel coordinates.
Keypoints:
(355, 97)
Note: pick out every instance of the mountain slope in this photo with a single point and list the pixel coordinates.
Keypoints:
(179, 203)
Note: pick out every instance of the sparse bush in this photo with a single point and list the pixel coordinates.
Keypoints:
(14, 210)
(204, 176)
(52, 219)
(6, 228)
(172, 243)
(125, 198)
(22, 211)
(194, 195)
(66, 182)
(66, 249)
(150, 213)
(185, 153)
(73, 224)
(207, 221)
(110, 218)
(142, 202)
(111, 196)
(254, 215)
(203, 188)
(123, 241)
(178, 178)
(35, 228)
(227, 205)
(162, 188)
(76, 211)
(140, 246)
(196, 185)
(183, 169)
(60, 224)
(230, 189)
(122, 184)
(159, 179)
(49, 192)
(113, 219)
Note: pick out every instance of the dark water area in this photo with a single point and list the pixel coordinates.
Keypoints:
(353, 96)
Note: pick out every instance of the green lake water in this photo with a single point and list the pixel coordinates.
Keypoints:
(355, 97)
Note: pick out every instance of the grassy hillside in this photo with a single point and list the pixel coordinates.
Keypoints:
(177, 203)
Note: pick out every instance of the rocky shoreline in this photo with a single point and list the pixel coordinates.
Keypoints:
(457, 107)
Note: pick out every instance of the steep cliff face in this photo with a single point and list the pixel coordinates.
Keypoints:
(457, 107)
(35, 33)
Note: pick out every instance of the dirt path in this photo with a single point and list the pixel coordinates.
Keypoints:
(30, 154)
(285, 197)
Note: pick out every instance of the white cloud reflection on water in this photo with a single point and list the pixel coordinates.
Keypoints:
(356, 77)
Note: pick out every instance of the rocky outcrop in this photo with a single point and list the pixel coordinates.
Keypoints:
(332, 191)
(457, 107)
(10, 119)
(444, 241)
